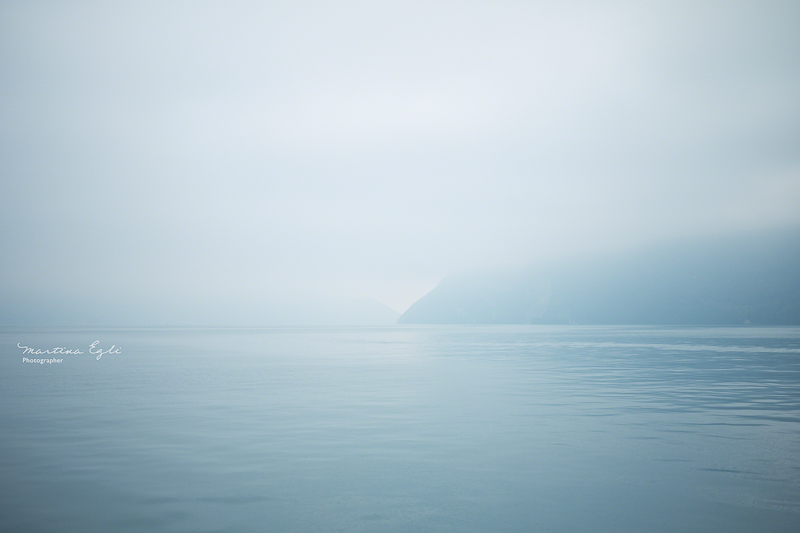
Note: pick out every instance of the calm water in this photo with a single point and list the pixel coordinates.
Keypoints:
(462, 429)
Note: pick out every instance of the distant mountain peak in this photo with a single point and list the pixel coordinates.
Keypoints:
(727, 280)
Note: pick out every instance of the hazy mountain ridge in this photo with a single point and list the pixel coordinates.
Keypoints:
(743, 280)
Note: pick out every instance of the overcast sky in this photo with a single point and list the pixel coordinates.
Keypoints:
(233, 152)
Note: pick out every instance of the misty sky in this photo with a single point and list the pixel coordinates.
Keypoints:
(170, 153)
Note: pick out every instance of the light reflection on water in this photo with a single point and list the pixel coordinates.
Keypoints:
(432, 428)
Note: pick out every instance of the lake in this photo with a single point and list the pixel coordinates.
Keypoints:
(407, 428)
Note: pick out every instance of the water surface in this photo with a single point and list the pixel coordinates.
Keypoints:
(413, 428)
